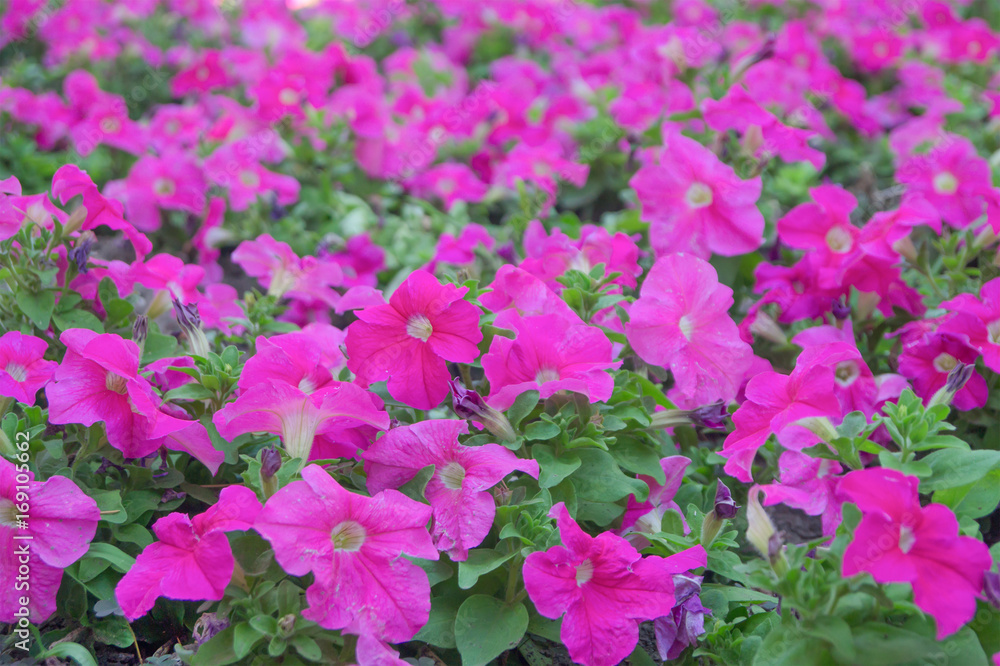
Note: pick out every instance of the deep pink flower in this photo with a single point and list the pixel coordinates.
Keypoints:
(681, 320)
(646, 517)
(237, 169)
(169, 277)
(543, 166)
(810, 484)
(450, 182)
(603, 587)
(952, 177)
(70, 181)
(283, 273)
(774, 403)
(332, 422)
(354, 545)
(192, 559)
(171, 182)
(697, 204)
(550, 256)
(99, 380)
(458, 491)
(218, 306)
(549, 354)
(985, 338)
(900, 541)
(202, 75)
(22, 369)
(854, 383)
(60, 522)
(304, 359)
(928, 361)
(11, 216)
(461, 250)
(515, 293)
(824, 227)
(409, 340)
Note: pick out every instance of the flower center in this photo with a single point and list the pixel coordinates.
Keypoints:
(945, 362)
(993, 331)
(699, 195)
(164, 187)
(249, 178)
(945, 183)
(8, 513)
(348, 536)
(584, 572)
(17, 372)
(111, 125)
(447, 185)
(846, 373)
(546, 375)
(838, 239)
(116, 383)
(452, 476)
(307, 385)
(202, 73)
(906, 538)
(288, 97)
(419, 326)
(686, 326)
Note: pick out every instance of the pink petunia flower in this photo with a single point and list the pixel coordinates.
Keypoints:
(59, 525)
(900, 541)
(354, 545)
(774, 403)
(549, 354)
(516, 293)
(550, 256)
(450, 182)
(458, 491)
(646, 517)
(304, 359)
(602, 588)
(952, 177)
(825, 228)
(927, 362)
(810, 484)
(681, 320)
(283, 273)
(697, 204)
(11, 216)
(332, 422)
(171, 182)
(192, 560)
(985, 337)
(237, 168)
(409, 340)
(99, 380)
(23, 369)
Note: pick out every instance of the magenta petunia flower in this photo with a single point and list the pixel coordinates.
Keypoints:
(239, 171)
(23, 370)
(331, 422)
(646, 517)
(810, 484)
(824, 226)
(984, 337)
(304, 359)
(774, 403)
(900, 541)
(59, 525)
(284, 273)
(171, 182)
(516, 293)
(99, 380)
(11, 216)
(192, 560)
(602, 588)
(952, 177)
(681, 320)
(354, 545)
(697, 204)
(408, 341)
(549, 354)
(927, 362)
(463, 509)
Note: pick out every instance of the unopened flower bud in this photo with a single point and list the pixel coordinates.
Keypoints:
(140, 330)
(270, 463)
(957, 379)
(468, 404)
(286, 625)
(724, 509)
(905, 247)
(841, 309)
(75, 221)
(763, 536)
(753, 140)
(710, 416)
(208, 625)
(991, 588)
(190, 321)
(80, 253)
(768, 329)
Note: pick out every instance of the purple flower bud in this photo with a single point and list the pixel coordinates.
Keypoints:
(841, 309)
(958, 377)
(507, 253)
(725, 507)
(685, 623)
(710, 416)
(140, 329)
(991, 588)
(208, 625)
(270, 463)
(468, 404)
(80, 253)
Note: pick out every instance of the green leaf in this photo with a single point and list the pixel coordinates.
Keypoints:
(77, 319)
(37, 307)
(542, 430)
(599, 479)
(74, 651)
(158, 346)
(245, 637)
(553, 469)
(974, 500)
(480, 561)
(114, 630)
(307, 648)
(940, 442)
(523, 406)
(951, 468)
(190, 391)
(110, 500)
(414, 488)
(486, 627)
(121, 561)
(217, 651)
(837, 633)
(440, 627)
